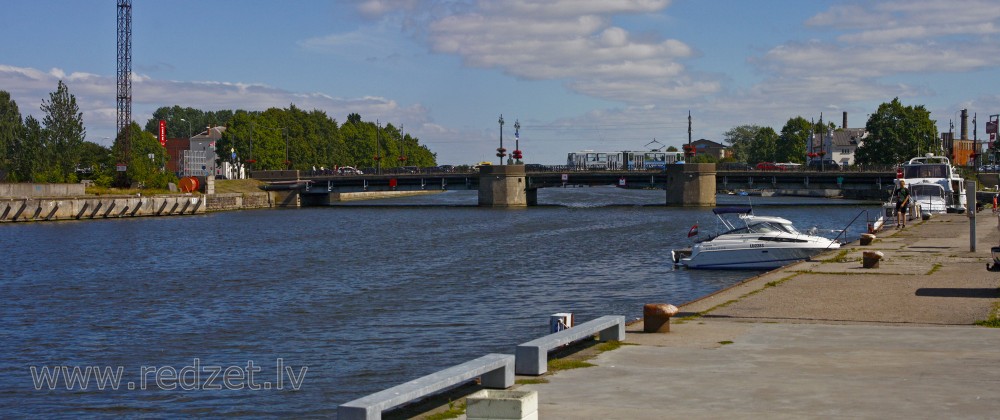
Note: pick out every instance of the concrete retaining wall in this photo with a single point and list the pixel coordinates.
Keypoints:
(237, 201)
(41, 190)
(105, 207)
(374, 195)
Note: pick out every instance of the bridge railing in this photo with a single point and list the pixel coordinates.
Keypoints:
(535, 168)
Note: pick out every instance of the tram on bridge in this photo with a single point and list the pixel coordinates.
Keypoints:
(623, 160)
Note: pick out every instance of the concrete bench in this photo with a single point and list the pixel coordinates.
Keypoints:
(532, 357)
(495, 370)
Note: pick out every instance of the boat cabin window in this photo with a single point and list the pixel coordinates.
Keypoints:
(925, 171)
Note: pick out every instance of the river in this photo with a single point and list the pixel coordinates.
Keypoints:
(348, 299)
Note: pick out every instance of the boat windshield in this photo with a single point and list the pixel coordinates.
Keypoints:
(926, 171)
(765, 227)
(927, 191)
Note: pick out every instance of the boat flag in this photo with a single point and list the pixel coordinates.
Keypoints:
(693, 231)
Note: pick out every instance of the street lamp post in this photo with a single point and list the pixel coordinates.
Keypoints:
(975, 143)
(991, 131)
(402, 155)
(501, 152)
(250, 161)
(378, 147)
(517, 141)
(189, 127)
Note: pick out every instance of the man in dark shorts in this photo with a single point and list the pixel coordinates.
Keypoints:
(902, 201)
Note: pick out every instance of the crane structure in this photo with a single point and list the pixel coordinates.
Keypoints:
(124, 82)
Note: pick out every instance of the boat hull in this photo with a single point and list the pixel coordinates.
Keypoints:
(751, 257)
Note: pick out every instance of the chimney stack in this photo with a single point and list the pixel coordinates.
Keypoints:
(845, 120)
(965, 124)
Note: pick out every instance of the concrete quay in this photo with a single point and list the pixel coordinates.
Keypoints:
(817, 339)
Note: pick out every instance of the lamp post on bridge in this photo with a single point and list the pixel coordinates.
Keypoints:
(517, 141)
(501, 152)
(378, 147)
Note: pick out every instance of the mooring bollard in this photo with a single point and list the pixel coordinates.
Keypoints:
(656, 317)
(866, 239)
(870, 259)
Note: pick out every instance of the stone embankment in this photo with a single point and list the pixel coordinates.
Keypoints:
(33, 209)
(50, 202)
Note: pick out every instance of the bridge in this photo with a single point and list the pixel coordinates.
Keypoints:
(502, 185)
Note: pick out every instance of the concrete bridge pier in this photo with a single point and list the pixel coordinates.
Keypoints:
(505, 186)
(286, 198)
(691, 184)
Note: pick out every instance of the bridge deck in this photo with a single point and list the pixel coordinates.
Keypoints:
(633, 179)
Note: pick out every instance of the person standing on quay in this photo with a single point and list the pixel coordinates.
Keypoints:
(902, 200)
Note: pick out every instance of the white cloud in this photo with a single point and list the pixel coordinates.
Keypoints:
(96, 97)
(572, 41)
(377, 8)
(892, 21)
(878, 43)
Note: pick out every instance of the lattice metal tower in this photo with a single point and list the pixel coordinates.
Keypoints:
(125, 76)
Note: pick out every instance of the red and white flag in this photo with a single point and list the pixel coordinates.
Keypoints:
(693, 231)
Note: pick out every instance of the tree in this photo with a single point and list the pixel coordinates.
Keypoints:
(791, 144)
(671, 149)
(10, 130)
(897, 133)
(95, 160)
(704, 158)
(740, 140)
(186, 122)
(64, 131)
(28, 155)
(140, 167)
(311, 139)
(764, 146)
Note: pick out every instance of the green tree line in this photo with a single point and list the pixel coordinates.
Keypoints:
(291, 138)
(896, 133)
(56, 150)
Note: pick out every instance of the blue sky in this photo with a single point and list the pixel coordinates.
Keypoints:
(577, 74)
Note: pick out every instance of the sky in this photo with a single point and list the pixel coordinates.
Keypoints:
(574, 74)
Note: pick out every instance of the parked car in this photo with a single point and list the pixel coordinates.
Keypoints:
(769, 166)
(826, 164)
(349, 170)
(535, 167)
(735, 166)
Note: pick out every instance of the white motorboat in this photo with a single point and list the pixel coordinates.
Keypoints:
(759, 242)
(934, 184)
